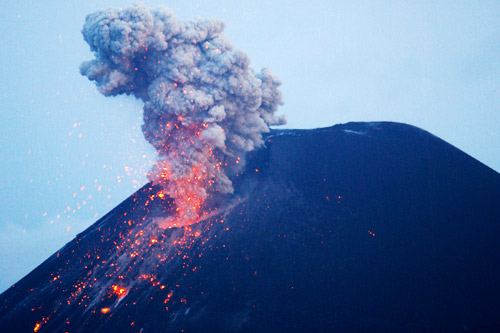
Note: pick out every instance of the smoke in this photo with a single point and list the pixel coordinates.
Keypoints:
(204, 107)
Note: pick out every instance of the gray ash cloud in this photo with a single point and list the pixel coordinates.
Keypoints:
(204, 107)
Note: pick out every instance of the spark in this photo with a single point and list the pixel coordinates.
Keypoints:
(119, 291)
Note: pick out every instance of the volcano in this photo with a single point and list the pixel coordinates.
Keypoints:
(355, 227)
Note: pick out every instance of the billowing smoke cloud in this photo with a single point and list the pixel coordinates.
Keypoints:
(204, 107)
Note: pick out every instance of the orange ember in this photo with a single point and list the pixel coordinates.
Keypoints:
(37, 327)
(103, 311)
(119, 291)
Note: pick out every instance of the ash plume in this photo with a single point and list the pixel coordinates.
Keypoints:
(204, 107)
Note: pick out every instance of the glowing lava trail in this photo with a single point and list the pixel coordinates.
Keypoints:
(204, 107)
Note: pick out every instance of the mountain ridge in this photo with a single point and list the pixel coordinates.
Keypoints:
(359, 226)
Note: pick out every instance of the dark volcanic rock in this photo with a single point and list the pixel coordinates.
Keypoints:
(356, 227)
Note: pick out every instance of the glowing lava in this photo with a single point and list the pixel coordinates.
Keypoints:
(119, 291)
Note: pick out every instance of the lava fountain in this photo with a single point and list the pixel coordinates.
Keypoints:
(204, 107)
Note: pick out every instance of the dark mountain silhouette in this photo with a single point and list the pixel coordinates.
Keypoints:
(356, 227)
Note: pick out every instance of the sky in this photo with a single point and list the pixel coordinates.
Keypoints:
(69, 154)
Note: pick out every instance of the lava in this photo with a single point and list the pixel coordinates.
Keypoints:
(119, 291)
(137, 256)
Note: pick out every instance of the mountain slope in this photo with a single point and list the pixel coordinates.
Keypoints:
(362, 226)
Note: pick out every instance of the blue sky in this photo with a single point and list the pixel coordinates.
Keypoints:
(70, 154)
